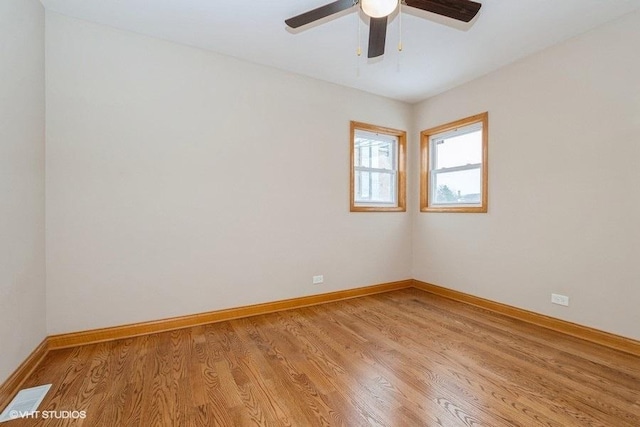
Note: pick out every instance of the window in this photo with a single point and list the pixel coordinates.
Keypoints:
(453, 166)
(378, 157)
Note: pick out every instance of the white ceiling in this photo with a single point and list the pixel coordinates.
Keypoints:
(438, 53)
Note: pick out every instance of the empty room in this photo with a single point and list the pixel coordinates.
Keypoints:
(319, 213)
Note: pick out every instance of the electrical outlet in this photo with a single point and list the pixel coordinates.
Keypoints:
(318, 279)
(560, 299)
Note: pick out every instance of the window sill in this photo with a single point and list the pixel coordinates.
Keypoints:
(378, 209)
(455, 209)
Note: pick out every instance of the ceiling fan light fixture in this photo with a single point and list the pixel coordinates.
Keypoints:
(378, 8)
(379, 11)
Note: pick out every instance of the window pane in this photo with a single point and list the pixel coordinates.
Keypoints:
(453, 166)
(375, 151)
(378, 169)
(458, 150)
(460, 187)
(363, 191)
(375, 187)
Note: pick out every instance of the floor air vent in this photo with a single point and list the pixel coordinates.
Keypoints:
(25, 402)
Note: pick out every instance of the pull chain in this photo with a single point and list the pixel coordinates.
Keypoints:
(399, 25)
(359, 51)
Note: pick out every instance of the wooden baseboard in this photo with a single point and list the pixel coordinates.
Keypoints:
(12, 385)
(586, 333)
(144, 328)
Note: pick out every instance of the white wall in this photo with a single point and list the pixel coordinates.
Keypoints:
(564, 150)
(22, 259)
(181, 181)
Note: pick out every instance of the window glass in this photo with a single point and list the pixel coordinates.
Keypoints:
(453, 166)
(377, 169)
(457, 187)
(458, 150)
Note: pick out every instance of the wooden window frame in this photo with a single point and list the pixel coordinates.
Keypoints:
(401, 173)
(425, 165)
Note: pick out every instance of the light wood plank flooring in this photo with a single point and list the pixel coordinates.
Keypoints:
(403, 358)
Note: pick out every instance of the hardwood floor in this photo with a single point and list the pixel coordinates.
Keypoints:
(402, 358)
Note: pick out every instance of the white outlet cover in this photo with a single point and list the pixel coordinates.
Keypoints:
(318, 279)
(560, 299)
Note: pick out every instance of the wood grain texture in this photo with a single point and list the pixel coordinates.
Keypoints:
(425, 152)
(401, 358)
(12, 384)
(402, 167)
(144, 328)
(462, 10)
(613, 341)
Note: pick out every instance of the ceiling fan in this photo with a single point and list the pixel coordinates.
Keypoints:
(379, 10)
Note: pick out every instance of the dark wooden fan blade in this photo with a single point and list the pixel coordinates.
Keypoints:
(377, 36)
(319, 13)
(462, 10)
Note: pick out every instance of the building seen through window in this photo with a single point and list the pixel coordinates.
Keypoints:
(378, 177)
(375, 171)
